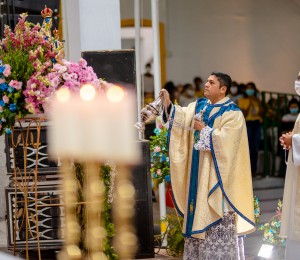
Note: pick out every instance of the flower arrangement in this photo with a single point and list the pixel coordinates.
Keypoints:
(71, 75)
(272, 228)
(256, 209)
(32, 69)
(160, 168)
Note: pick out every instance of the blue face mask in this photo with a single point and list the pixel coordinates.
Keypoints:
(294, 110)
(250, 92)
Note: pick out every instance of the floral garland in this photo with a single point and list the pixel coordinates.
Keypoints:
(160, 167)
(272, 228)
(256, 210)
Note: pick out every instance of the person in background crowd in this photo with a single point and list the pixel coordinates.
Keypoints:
(148, 81)
(235, 92)
(252, 110)
(198, 87)
(288, 120)
(187, 95)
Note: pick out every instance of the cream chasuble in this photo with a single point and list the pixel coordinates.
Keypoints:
(290, 221)
(202, 180)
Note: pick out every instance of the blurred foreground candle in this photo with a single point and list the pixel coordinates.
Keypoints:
(91, 126)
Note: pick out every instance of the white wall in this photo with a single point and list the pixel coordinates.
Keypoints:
(91, 25)
(252, 40)
(249, 39)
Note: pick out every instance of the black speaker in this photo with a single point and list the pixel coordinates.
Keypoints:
(116, 67)
(141, 179)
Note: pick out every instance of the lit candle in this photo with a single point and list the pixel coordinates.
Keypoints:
(91, 126)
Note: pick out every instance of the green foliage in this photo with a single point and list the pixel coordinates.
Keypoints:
(272, 229)
(175, 240)
(256, 209)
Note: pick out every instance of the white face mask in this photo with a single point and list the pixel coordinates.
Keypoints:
(234, 90)
(297, 87)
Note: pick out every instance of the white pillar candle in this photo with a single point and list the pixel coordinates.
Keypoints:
(95, 128)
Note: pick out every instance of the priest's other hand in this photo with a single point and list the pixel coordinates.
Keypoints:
(199, 125)
(286, 140)
(165, 97)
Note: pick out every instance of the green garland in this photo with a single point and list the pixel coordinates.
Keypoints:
(105, 173)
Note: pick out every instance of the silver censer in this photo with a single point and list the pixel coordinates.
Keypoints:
(149, 113)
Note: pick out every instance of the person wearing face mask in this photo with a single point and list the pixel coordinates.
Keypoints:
(288, 120)
(290, 220)
(252, 110)
(187, 95)
(235, 92)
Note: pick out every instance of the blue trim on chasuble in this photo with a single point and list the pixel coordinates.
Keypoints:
(231, 107)
(194, 181)
(191, 205)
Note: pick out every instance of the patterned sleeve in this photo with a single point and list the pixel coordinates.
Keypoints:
(204, 141)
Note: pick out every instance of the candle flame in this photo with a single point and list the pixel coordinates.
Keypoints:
(115, 94)
(63, 95)
(87, 92)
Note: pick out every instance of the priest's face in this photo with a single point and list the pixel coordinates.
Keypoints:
(213, 89)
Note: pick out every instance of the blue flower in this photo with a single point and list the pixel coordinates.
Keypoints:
(156, 131)
(2, 68)
(3, 86)
(2, 103)
(167, 178)
(163, 158)
(13, 107)
(154, 175)
(8, 131)
(10, 89)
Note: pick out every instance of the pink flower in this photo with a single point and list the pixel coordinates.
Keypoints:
(7, 71)
(15, 84)
(54, 82)
(1, 108)
(5, 99)
(158, 172)
(157, 149)
(66, 76)
(82, 62)
(2, 80)
(73, 68)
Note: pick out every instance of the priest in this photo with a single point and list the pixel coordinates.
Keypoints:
(290, 220)
(210, 171)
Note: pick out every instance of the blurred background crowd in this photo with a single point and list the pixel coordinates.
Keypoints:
(267, 115)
